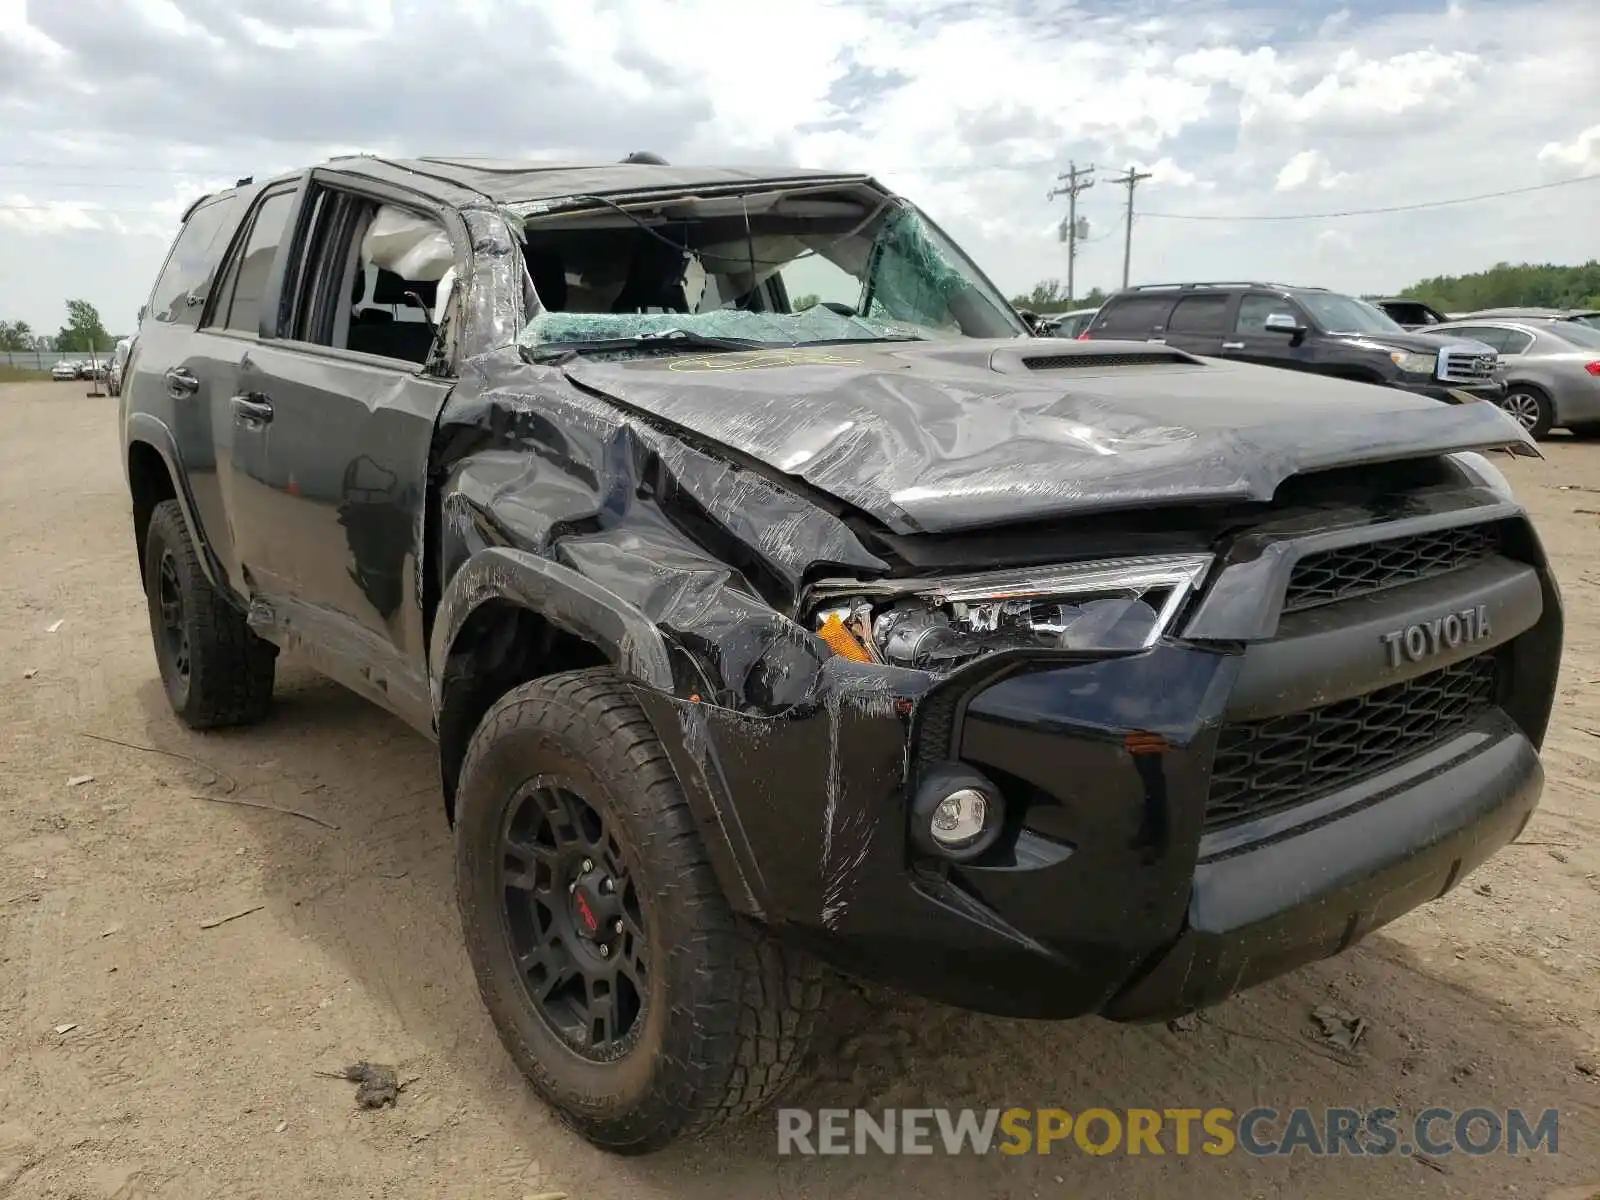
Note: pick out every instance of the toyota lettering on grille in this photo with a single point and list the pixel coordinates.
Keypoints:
(1425, 639)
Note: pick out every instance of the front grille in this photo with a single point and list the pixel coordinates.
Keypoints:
(1267, 766)
(1466, 366)
(1331, 575)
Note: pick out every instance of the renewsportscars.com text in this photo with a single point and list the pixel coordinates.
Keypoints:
(1258, 1132)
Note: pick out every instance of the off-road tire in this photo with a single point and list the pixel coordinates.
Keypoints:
(230, 669)
(729, 1012)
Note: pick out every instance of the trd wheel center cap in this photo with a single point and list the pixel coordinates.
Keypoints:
(594, 908)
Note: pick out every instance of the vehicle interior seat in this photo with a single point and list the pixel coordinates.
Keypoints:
(379, 330)
(655, 278)
(549, 275)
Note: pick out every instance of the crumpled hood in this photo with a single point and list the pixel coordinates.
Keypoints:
(938, 436)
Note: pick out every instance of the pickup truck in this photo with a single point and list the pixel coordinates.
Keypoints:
(1044, 678)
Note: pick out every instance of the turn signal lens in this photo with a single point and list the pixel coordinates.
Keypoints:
(841, 641)
(1593, 368)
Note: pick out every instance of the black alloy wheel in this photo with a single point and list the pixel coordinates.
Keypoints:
(574, 919)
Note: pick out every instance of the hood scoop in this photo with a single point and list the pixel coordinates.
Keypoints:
(1091, 356)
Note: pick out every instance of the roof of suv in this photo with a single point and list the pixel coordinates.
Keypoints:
(507, 181)
(1222, 285)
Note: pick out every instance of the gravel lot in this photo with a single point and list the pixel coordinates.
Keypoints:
(143, 1053)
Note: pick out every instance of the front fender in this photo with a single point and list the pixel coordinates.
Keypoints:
(579, 606)
(568, 600)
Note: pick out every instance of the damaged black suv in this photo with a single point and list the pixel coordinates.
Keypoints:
(776, 601)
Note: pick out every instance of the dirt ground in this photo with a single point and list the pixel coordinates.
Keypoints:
(146, 1051)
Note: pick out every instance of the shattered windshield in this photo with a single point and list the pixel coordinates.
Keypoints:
(770, 269)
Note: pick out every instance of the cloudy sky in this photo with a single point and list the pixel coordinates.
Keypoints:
(114, 114)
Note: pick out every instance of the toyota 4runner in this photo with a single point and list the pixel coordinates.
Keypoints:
(775, 601)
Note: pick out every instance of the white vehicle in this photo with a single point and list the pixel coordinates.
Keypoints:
(64, 370)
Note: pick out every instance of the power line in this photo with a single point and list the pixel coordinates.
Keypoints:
(1367, 212)
(1075, 181)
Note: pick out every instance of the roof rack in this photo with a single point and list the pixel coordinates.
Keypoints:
(1222, 283)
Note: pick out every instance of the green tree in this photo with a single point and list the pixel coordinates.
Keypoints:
(83, 332)
(1504, 285)
(801, 303)
(15, 335)
(1049, 296)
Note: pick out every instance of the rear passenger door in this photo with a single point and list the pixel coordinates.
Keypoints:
(229, 333)
(1199, 323)
(343, 392)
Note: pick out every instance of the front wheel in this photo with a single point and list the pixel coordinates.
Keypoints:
(1530, 408)
(632, 998)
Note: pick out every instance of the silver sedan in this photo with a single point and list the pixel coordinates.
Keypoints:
(1552, 370)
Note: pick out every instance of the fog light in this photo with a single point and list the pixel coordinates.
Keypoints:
(957, 814)
(958, 821)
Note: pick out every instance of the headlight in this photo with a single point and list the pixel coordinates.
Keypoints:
(940, 624)
(1414, 364)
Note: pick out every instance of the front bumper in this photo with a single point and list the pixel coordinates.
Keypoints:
(1253, 916)
(1453, 393)
(1117, 889)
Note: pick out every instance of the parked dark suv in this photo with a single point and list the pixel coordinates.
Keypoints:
(1302, 329)
(1041, 677)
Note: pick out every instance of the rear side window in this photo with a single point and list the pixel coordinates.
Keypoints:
(191, 261)
(1135, 317)
(1516, 342)
(1199, 314)
(239, 302)
(1487, 334)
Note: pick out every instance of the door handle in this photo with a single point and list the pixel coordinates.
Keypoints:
(252, 408)
(1233, 345)
(181, 382)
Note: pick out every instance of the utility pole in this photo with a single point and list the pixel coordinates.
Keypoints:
(1129, 181)
(1073, 181)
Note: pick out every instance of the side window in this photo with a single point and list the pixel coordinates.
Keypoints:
(1254, 309)
(1199, 314)
(238, 296)
(378, 278)
(816, 279)
(191, 260)
(1517, 342)
(1134, 317)
(1486, 334)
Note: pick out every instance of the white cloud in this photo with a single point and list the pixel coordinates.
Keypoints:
(1236, 109)
(1309, 168)
(1581, 154)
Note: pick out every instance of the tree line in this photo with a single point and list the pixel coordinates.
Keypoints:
(84, 333)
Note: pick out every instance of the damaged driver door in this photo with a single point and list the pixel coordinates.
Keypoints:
(351, 401)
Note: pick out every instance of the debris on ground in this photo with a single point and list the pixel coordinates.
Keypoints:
(1587, 1066)
(378, 1083)
(1187, 1023)
(1483, 889)
(30, 672)
(282, 1125)
(1433, 1164)
(80, 780)
(67, 1028)
(1339, 1028)
(57, 625)
(1559, 856)
(545, 1196)
(243, 912)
